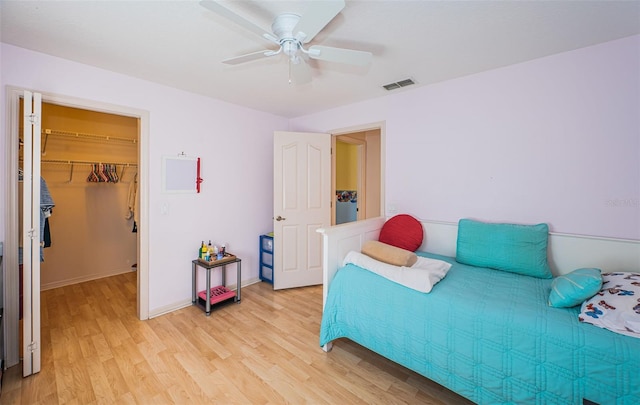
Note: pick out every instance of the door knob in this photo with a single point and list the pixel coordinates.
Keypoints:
(279, 218)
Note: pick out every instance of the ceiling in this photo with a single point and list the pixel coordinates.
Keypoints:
(181, 44)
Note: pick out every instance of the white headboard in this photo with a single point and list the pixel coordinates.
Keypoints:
(566, 252)
(339, 240)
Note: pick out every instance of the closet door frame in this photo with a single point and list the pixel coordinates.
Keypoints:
(10, 258)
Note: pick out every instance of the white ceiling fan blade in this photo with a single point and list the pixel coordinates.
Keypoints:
(249, 57)
(340, 55)
(241, 21)
(316, 17)
(300, 72)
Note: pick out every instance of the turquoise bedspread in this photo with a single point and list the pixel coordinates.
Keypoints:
(486, 334)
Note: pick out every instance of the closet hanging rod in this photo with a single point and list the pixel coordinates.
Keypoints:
(87, 162)
(96, 137)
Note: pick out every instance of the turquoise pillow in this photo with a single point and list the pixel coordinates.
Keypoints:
(513, 248)
(574, 288)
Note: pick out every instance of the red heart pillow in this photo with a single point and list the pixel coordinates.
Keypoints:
(403, 231)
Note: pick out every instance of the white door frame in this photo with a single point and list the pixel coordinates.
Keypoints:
(362, 170)
(363, 128)
(10, 258)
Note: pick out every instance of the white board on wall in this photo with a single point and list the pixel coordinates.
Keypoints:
(179, 174)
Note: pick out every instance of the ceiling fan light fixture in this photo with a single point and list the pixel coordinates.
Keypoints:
(290, 32)
(290, 47)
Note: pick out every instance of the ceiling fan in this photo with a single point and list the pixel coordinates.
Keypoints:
(291, 32)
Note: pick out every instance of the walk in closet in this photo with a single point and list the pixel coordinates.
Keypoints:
(89, 164)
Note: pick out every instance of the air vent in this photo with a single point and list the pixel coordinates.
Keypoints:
(397, 85)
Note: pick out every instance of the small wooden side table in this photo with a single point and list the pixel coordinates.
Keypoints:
(215, 294)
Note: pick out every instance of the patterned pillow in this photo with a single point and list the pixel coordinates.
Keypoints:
(617, 306)
(572, 289)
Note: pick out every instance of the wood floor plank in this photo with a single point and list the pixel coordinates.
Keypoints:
(158, 367)
(209, 346)
(224, 395)
(115, 378)
(100, 383)
(264, 350)
(244, 380)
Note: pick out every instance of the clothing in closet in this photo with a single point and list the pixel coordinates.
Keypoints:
(132, 202)
(46, 209)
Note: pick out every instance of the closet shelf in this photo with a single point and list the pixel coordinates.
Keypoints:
(80, 135)
(84, 136)
(86, 162)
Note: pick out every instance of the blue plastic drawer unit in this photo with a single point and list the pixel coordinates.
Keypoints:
(266, 257)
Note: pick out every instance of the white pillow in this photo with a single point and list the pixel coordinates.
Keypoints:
(617, 306)
(422, 276)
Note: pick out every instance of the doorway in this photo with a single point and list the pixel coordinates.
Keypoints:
(11, 287)
(305, 197)
(89, 161)
(357, 175)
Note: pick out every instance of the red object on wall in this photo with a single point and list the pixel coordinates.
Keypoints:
(198, 178)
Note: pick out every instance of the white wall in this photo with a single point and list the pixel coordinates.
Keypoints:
(553, 140)
(235, 144)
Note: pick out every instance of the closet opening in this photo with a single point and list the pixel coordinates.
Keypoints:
(89, 173)
(62, 164)
(89, 162)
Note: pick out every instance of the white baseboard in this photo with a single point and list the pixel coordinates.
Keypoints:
(82, 279)
(163, 310)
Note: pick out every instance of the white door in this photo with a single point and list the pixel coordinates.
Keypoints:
(302, 204)
(31, 233)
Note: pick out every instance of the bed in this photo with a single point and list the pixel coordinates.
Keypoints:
(488, 335)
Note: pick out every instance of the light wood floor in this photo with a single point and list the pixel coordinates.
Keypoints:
(262, 351)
